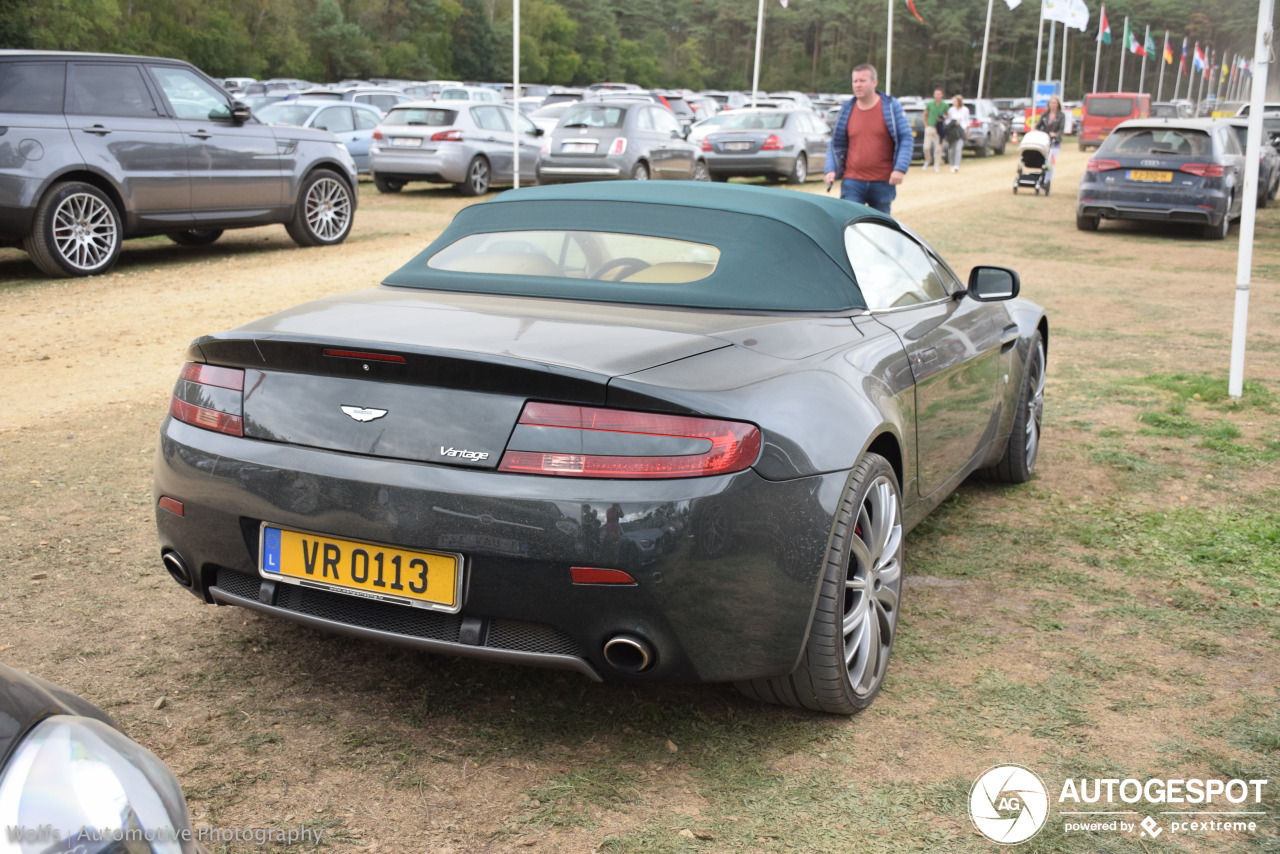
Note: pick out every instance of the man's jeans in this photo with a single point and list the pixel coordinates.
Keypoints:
(876, 194)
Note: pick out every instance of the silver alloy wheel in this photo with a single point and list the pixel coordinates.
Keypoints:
(328, 208)
(85, 231)
(872, 587)
(1035, 404)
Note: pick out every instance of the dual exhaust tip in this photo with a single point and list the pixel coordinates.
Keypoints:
(629, 654)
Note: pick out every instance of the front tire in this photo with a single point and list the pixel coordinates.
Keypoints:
(195, 236)
(856, 618)
(76, 231)
(1019, 461)
(799, 170)
(324, 212)
(387, 185)
(478, 178)
(701, 172)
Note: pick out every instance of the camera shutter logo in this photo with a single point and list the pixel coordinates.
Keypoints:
(1008, 804)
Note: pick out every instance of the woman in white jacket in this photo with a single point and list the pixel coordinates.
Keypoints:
(959, 114)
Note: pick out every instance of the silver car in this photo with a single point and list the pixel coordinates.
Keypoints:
(350, 121)
(610, 139)
(464, 143)
(772, 143)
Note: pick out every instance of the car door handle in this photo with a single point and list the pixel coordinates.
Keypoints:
(201, 134)
(98, 129)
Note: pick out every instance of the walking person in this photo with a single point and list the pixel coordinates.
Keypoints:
(1052, 122)
(935, 113)
(871, 144)
(957, 130)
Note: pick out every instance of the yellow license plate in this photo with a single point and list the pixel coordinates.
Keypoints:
(368, 570)
(1148, 175)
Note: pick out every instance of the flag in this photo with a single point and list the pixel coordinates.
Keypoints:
(1104, 28)
(1223, 76)
(1057, 10)
(1149, 49)
(1078, 18)
(1208, 66)
(1197, 59)
(912, 6)
(1182, 63)
(1013, 4)
(784, 3)
(1168, 50)
(1131, 42)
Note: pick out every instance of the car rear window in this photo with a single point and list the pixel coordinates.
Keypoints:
(31, 87)
(1109, 108)
(429, 116)
(594, 116)
(602, 255)
(285, 114)
(754, 121)
(1176, 142)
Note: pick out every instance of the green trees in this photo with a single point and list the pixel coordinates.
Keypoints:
(678, 43)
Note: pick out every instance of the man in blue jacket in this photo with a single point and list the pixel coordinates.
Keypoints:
(871, 144)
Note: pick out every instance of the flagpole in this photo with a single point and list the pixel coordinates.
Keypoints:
(755, 74)
(1142, 76)
(1163, 51)
(1036, 79)
(888, 60)
(1064, 58)
(1249, 209)
(1124, 49)
(1097, 57)
(1177, 73)
(515, 104)
(1218, 89)
(1048, 63)
(986, 38)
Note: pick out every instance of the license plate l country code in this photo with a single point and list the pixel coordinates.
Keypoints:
(406, 141)
(737, 146)
(1149, 175)
(420, 579)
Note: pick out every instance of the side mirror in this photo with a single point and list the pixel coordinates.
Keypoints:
(240, 112)
(991, 284)
(537, 131)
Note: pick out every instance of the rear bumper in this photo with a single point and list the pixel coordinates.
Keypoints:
(749, 164)
(558, 167)
(441, 166)
(726, 592)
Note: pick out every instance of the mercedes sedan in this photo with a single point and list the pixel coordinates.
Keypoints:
(644, 432)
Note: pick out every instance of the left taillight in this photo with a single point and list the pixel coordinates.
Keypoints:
(583, 441)
(210, 397)
(773, 143)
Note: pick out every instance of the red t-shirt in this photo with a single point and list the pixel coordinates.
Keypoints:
(870, 153)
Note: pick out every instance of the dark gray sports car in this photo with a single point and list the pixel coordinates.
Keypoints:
(645, 432)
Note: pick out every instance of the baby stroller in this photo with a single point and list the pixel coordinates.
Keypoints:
(1033, 162)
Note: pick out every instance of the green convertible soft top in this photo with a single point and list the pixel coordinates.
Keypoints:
(780, 250)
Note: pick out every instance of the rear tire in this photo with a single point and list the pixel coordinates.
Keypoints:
(856, 618)
(324, 211)
(1088, 223)
(387, 185)
(640, 172)
(195, 236)
(701, 172)
(982, 150)
(799, 170)
(76, 231)
(478, 178)
(1220, 231)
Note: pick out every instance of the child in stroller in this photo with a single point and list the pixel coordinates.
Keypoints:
(1033, 162)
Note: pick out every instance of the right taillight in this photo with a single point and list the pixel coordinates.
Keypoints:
(706, 144)
(210, 397)
(447, 136)
(1098, 164)
(619, 146)
(772, 143)
(1204, 170)
(584, 441)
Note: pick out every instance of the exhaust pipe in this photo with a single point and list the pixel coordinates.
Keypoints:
(628, 654)
(177, 568)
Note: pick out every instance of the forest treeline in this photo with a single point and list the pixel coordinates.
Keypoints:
(698, 44)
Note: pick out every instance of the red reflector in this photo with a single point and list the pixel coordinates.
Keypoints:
(209, 419)
(232, 378)
(368, 357)
(1204, 170)
(734, 444)
(772, 143)
(596, 575)
(1099, 165)
(173, 505)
